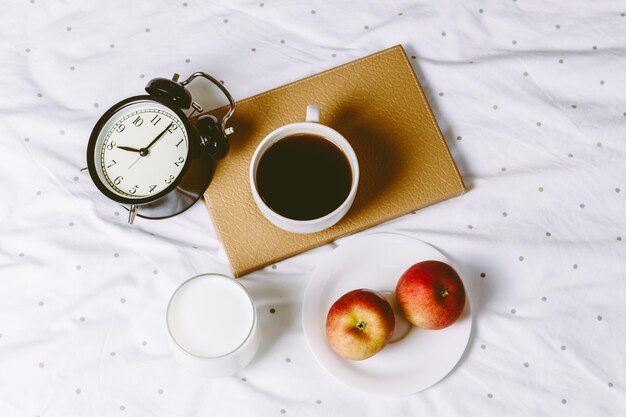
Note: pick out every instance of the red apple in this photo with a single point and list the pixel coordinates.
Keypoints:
(431, 295)
(359, 324)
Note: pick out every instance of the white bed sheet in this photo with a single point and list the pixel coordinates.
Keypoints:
(531, 97)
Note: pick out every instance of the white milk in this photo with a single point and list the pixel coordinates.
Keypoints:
(210, 316)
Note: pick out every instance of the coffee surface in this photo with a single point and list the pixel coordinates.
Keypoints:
(304, 177)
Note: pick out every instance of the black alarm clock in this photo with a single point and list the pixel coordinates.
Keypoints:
(147, 154)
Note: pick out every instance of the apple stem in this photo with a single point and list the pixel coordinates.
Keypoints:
(361, 325)
(444, 292)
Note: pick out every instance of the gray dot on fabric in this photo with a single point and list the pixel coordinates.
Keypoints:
(443, 33)
(155, 272)
(112, 353)
(526, 364)
(272, 310)
(225, 20)
(525, 74)
(116, 255)
(563, 401)
(288, 360)
(39, 95)
(610, 385)
(72, 68)
(69, 28)
(599, 318)
(558, 26)
(78, 267)
(262, 4)
(480, 10)
(78, 391)
(41, 364)
(504, 214)
(27, 50)
(582, 206)
(185, 4)
(459, 137)
(440, 94)
(144, 343)
(575, 266)
(619, 238)
(26, 139)
(40, 304)
(75, 178)
(573, 106)
(513, 311)
(599, 144)
(503, 169)
(570, 155)
(617, 190)
(117, 213)
(312, 11)
(334, 55)
(469, 226)
(399, 14)
(188, 60)
(490, 395)
(495, 107)
(122, 408)
(244, 379)
(483, 347)
(563, 347)
(366, 27)
(601, 82)
(514, 42)
(142, 75)
(112, 46)
(282, 41)
(21, 255)
(540, 189)
(318, 401)
(38, 192)
(521, 258)
(548, 234)
(273, 266)
(71, 224)
(538, 123)
(122, 300)
(483, 275)
(62, 132)
(96, 105)
(623, 14)
(160, 391)
(253, 49)
(147, 29)
(544, 299)
(82, 319)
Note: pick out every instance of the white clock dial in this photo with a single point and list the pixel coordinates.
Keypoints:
(141, 150)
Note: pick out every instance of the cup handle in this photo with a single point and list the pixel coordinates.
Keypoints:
(313, 113)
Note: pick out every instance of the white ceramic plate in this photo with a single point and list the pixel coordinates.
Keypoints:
(412, 364)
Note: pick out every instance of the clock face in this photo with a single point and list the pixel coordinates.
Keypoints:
(141, 150)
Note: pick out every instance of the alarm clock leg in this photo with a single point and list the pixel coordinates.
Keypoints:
(132, 212)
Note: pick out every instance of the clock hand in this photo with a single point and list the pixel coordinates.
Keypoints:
(126, 148)
(157, 138)
(137, 160)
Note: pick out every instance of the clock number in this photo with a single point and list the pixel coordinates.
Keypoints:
(112, 163)
(181, 141)
(111, 145)
(138, 121)
(118, 180)
(172, 128)
(152, 187)
(120, 128)
(180, 161)
(133, 190)
(169, 179)
(156, 119)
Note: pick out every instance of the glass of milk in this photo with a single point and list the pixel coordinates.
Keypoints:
(212, 325)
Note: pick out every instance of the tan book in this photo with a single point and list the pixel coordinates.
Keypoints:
(377, 103)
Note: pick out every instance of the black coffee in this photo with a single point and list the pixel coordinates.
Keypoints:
(304, 177)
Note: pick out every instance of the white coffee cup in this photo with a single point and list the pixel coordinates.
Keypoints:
(212, 325)
(311, 126)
